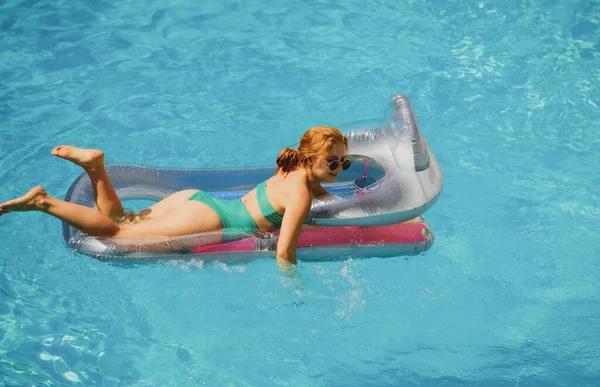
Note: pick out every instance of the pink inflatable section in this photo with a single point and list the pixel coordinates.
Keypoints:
(412, 233)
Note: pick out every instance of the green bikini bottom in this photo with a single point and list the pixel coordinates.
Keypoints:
(234, 216)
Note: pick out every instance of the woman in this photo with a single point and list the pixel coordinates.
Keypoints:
(281, 202)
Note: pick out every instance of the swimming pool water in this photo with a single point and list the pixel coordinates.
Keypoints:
(506, 94)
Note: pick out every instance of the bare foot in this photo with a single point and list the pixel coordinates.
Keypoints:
(32, 200)
(85, 158)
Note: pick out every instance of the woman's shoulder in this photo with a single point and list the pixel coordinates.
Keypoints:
(292, 184)
(295, 178)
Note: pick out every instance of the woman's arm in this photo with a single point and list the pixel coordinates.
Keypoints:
(296, 211)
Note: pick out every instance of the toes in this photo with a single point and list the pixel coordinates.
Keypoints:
(63, 151)
(56, 150)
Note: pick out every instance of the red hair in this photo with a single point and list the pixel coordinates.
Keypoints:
(315, 142)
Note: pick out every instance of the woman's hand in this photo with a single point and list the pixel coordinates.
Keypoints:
(286, 267)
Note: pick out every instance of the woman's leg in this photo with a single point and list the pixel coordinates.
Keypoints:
(190, 217)
(107, 201)
(92, 161)
(86, 219)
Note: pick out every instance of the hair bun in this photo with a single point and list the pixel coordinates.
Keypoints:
(288, 160)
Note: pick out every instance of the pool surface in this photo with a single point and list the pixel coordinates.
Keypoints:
(506, 94)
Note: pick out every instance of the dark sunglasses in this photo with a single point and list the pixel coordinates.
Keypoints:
(333, 165)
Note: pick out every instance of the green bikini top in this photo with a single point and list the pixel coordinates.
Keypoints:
(274, 217)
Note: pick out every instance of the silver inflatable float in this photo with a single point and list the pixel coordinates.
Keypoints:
(374, 210)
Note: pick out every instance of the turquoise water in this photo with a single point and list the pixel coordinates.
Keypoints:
(506, 94)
